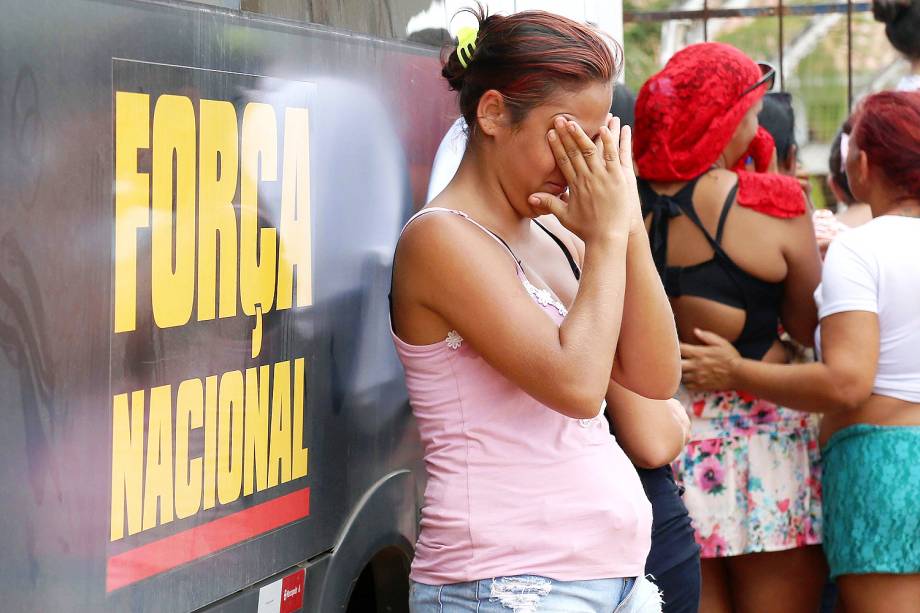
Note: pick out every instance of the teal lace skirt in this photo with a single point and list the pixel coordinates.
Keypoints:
(871, 486)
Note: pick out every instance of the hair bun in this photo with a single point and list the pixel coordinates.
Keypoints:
(453, 70)
(902, 24)
(890, 11)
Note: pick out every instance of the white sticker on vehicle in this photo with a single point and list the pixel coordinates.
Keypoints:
(270, 598)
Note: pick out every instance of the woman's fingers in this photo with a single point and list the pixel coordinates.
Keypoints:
(599, 144)
(562, 158)
(610, 152)
(586, 147)
(545, 204)
(626, 160)
(710, 338)
(573, 151)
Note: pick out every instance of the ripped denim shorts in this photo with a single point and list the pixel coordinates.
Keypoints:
(533, 594)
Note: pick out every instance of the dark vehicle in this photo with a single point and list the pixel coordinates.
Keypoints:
(202, 407)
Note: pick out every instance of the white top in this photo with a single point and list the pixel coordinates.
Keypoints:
(876, 268)
(910, 83)
(447, 159)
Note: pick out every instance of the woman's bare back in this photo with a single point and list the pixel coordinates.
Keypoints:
(765, 247)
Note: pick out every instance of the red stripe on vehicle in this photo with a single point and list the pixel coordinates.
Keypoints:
(168, 553)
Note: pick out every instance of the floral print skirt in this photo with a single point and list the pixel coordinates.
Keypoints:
(751, 474)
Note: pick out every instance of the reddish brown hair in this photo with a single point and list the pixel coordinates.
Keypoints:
(526, 57)
(887, 128)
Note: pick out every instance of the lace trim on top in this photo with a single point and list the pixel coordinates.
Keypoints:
(453, 340)
(544, 297)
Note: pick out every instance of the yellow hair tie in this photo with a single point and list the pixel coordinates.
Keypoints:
(466, 44)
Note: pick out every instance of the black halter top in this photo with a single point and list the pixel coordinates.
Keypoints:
(719, 278)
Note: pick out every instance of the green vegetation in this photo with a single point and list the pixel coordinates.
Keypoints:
(759, 37)
(642, 42)
(824, 92)
(819, 81)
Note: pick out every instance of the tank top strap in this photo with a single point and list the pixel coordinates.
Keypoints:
(493, 235)
(686, 206)
(565, 250)
(726, 206)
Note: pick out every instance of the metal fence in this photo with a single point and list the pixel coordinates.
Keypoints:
(827, 54)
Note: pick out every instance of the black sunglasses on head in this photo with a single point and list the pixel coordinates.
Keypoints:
(768, 78)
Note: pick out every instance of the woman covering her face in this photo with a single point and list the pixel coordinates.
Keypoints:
(514, 320)
(674, 559)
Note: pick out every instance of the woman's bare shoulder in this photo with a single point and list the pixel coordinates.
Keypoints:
(439, 241)
(712, 192)
(714, 187)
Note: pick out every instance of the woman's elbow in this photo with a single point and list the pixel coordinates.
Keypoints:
(851, 395)
(655, 456)
(657, 390)
(656, 384)
(579, 402)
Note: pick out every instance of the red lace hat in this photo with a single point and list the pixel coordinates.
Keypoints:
(687, 113)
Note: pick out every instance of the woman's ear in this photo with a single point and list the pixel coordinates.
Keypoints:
(859, 174)
(862, 166)
(491, 114)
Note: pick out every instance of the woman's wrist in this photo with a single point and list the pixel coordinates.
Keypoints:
(637, 223)
(737, 371)
(609, 240)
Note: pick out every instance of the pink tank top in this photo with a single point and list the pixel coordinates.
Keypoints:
(513, 486)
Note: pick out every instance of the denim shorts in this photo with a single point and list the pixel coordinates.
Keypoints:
(534, 594)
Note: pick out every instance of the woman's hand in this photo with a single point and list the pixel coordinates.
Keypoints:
(710, 366)
(602, 197)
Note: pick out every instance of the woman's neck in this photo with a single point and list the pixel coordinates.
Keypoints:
(669, 188)
(483, 198)
(911, 209)
(906, 207)
(915, 66)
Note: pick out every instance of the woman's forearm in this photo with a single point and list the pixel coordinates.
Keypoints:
(842, 381)
(813, 388)
(651, 432)
(648, 357)
(591, 329)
